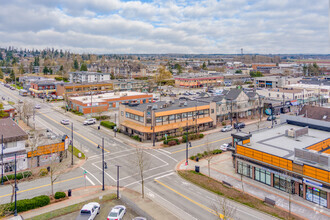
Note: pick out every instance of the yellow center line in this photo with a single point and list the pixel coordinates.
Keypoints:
(38, 187)
(193, 201)
(73, 131)
(201, 145)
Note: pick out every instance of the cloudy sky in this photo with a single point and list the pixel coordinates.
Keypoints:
(167, 26)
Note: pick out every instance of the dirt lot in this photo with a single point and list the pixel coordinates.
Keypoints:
(105, 209)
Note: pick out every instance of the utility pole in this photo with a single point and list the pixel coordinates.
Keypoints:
(72, 143)
(187, 142)
(103, 164)
(2, 146)
(16, 189)
(117, 180)
(231, 113)
(115, 130)
(153, 127)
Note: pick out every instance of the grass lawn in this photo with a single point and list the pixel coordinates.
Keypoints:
(17, 87)
(72, 208)
(233, 194)
(76, 151)
(11, 103)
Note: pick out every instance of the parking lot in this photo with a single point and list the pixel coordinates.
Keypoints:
(105, 209)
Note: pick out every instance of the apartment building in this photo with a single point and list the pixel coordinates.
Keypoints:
(293, 157)
(42, 88)
(88, 77)
(156, 120)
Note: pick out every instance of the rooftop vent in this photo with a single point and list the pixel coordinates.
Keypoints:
(154, 107)
(295, 133)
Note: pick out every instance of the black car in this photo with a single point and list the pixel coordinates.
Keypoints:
(239, 125)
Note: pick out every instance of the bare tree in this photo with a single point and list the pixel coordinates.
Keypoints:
(223, 209)
(142, 162)
(209, 155)
(240, 172)
(33, 143)
(287, 185)
(19, 108)
(27, 111)
(56, 168)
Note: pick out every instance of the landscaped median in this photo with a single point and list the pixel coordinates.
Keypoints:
(233, 194)
(76, 152)
(171, 141)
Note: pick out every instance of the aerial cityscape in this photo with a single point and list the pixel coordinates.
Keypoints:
(148, 109)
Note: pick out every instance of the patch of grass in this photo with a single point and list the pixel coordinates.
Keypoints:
(72, 208)
(11, 103)
(76, 151)
(233, 194)
(17, 86)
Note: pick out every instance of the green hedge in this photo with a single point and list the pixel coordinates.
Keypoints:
(136, 137)
(108, 124)
(25, 204)
(18, 176)
(59, 195)
(206, 153)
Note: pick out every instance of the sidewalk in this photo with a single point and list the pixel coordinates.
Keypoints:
(222, 170)
(92, 192)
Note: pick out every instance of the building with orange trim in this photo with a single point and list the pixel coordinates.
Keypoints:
(155, 121)
(71, 89)
(293, 157)
(106, 101)
(198, 81)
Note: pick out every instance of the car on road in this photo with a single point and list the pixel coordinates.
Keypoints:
(37, 107)
(224, 147)
(20, 101)
(12, 88)
(227, 128)
(239, 125)
(65, 122)
(60, 97)
(270, 118)
(139, 218)
(90, 121)
(89, 211)
(117, 212)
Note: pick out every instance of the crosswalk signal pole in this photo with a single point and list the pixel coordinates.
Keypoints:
(103, 164)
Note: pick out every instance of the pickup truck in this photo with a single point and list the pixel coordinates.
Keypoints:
(89, 211)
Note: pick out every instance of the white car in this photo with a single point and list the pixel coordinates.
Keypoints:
(60, 97)
(89, 211)
(224, 147)
(65, 122)
(37, 107)
(117, 212)
(227, 128)
(90, 121)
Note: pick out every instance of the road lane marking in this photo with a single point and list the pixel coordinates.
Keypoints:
(165, 151)
(201, 145)
(89, 180)
(167, 155)
(147, 178)
(91, 175)
(189, 199)
(38, 187)
(169, 174)
(73, 131)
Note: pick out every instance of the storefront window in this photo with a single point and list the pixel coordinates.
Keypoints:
(316, 195)
(262, 176)
(244, 169)
(282, 183)
(184, 115)
(165, 118)
(171, 117)
(158, 119)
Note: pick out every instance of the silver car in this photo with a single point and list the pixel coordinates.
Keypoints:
(227, 128)
(117, 212)
(65, 122)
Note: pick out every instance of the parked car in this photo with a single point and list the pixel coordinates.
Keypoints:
(139, 218)
(90, 121)
(60, 97)
(227, 128)
(117, 212)
(239, 125)
(270, 118)
(89, 211)
(224, 147)
(12, 88)
(20, 101)
(65, 122)
(37, 107)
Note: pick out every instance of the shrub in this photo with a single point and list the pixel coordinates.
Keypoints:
(108, 124)
(136, 137)
(59, 195)
(192, 157)
(18, 176)
(223, 123)
(43, 172)
(165, 142)
(28, 204)
(176, 140)
(217, 151)
(102, 117)
(200, 135)
(172, 143)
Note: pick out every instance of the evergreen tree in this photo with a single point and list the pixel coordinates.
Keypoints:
(45, 70)
(83, 67)
(3, 114)
(1, 74)
(75, 65)
(12, 75)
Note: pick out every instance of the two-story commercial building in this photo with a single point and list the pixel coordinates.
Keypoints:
(157, 120)
(71, 89)
(42, 88)
(198, 81)
(293, 157)
(14, 139)
(88, 77)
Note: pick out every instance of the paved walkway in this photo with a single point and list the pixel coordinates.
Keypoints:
(79, 195)
(222, 170)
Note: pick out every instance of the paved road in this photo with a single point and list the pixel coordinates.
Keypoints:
(180, 197)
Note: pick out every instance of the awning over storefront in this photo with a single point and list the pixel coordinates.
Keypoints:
(159, 128)
(295, 102)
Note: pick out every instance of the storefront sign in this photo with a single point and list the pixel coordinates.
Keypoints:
(12, 158)
(312, 183)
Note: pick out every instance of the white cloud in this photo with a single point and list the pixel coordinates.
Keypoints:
(161, 26)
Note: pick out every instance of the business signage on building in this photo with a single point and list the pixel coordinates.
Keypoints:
(12, 158)
(312, 183)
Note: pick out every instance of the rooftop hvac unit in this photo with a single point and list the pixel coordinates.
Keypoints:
(154, 107)
(185, 103)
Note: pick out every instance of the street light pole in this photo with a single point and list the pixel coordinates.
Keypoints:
(72, 143)
(115, 130)
(15, 213)
(187, 144)
(2, 145)
(153, 132)
(117, 180)
(103, 164)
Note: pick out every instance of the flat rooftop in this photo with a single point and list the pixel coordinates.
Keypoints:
(275, 142)
(104, 97)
